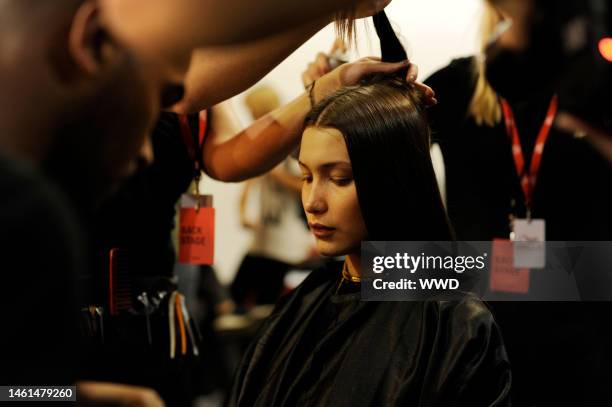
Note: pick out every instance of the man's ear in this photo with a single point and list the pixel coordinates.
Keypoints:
(87, 38)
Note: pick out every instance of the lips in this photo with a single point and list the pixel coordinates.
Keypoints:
(321, 231)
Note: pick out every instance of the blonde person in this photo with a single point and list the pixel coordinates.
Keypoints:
(558, 351)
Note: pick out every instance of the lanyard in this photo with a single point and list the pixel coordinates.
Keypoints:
(194, 150)
(528, 179)
(188, 137)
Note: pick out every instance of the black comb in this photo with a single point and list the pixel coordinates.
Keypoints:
(120, 285)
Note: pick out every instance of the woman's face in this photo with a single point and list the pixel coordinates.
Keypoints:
(329, 194)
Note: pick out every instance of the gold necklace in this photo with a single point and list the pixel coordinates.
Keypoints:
(348, 276)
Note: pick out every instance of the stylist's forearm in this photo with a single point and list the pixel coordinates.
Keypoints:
(218, 73)
(260, 147)
(190, 24)
(256, 19)
(270, 139)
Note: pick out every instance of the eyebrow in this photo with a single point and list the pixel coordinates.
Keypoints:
(329, 165)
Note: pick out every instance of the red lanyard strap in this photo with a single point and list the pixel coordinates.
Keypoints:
(188, 138)
(528, 179)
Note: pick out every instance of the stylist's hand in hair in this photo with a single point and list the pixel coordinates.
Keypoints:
(323, 63)
(428, 93)
(351, 73)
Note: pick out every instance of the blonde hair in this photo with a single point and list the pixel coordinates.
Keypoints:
(262, 101)
(485, 107)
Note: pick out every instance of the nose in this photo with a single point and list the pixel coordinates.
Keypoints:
(313, 198)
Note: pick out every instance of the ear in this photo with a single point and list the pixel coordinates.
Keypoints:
(86, 38)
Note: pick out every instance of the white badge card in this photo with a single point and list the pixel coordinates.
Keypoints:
(529, 241)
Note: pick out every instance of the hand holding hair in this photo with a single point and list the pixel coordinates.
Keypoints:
(352, 73)
(392, 50)
(320, 80)
(316, 69)
(429, 96)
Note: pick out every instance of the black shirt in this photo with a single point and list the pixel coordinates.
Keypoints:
(40, 256)
(559, 352)
(574, 187)
(323, 346)
(140, 216)
(139, 219)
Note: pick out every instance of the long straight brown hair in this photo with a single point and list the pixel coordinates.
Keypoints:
(388, 141)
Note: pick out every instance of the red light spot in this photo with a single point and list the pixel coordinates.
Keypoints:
(605, 48)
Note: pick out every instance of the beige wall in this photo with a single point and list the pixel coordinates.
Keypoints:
(434, 32)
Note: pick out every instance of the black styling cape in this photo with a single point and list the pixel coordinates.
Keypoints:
(326, 348)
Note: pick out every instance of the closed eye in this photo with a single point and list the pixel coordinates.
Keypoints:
(342, 181)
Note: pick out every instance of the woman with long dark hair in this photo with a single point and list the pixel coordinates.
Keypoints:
(367, 175)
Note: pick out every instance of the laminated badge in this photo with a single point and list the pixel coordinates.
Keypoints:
(197, 230)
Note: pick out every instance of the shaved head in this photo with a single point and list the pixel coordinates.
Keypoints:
(14, 13)
(74, 102)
